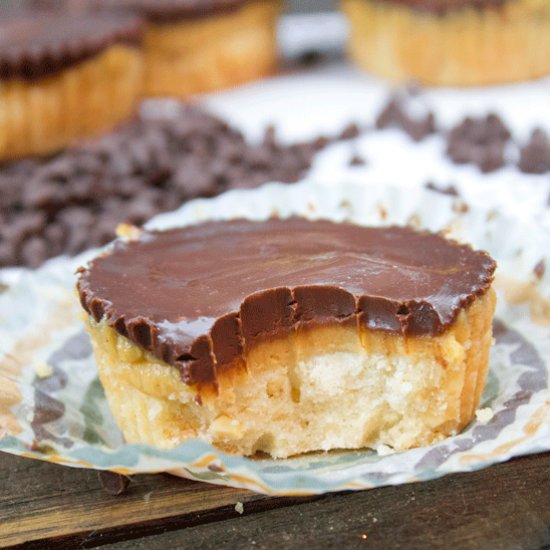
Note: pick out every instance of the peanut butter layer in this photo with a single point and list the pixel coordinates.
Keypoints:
(200, 296)
(33, 46)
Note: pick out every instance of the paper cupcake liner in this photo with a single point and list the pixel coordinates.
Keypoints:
(52, 406)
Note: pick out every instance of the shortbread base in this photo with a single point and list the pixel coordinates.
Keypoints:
(319, 389)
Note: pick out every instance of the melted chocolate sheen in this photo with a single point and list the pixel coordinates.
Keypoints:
(197, 297)
(34, 46)
(443, 6)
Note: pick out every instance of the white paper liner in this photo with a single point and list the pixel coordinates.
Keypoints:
(52, 406)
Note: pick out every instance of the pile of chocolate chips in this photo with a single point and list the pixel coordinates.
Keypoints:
(75, 200)
(396, 115)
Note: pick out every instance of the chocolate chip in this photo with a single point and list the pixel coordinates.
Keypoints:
(395, 115)
(390, 116)
(540, 269)
(450, 190)
(113, 483)
(34, 252)
(55, 234)
(351, 131)
(421, 128)
(7, 253)
(320, 142)
(42, 195)
(357, 160)
(270, 136)
(535, 155)
(480, 141)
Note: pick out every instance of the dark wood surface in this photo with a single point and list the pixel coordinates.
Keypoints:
(47, 506)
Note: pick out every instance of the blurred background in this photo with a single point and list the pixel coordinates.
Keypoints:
(296, 6)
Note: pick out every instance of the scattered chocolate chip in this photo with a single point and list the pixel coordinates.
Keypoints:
(480, 141)
(399, 112)
(444, 190)
(535, 155)
(491, 157)
(351, 131)
(7, 253)
(540, 269)
(357, 160)
(113, 483)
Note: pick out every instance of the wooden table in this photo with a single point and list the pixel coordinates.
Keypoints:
(47, 506)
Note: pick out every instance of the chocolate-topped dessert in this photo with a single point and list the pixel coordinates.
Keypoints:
(65, 77)
(195, 46)
(451, 42)
(39, 45)
(288, 336)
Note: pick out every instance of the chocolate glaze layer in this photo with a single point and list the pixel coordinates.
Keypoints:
(37, 45)
(168, 11)
(441, 7)
(198, 297)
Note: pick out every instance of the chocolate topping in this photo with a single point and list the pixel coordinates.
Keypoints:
(196, 297)
(35, 46)
(164, 11)
(441, 7)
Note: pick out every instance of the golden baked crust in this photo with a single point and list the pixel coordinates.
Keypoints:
(219, 51)
(463, 47)
(320, 388)
(44, 115)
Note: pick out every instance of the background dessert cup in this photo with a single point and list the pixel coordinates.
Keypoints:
(211, 52)
(65, 77)
(193, 46)
(450, 43)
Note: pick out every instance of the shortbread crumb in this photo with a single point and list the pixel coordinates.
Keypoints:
(484, 415)
(42, 369)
